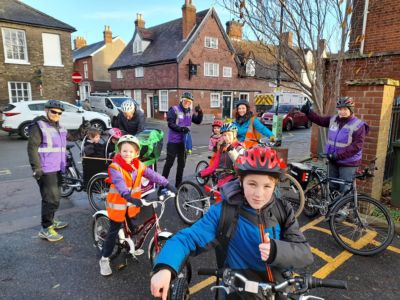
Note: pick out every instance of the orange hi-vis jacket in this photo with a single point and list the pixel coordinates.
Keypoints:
(116, 204)
(252, 136)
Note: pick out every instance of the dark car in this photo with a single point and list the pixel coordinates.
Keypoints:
(292, 117)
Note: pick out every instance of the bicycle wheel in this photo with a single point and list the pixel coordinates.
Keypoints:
(190, 202)
(365, 229)
(186, 271)
(314, 193)
(201, 166)
(97, 191)
(100, 227)
(289, 189)
(179, 290)
(66, 189)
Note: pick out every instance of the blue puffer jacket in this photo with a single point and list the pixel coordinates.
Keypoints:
(244, 127)
(290, 247)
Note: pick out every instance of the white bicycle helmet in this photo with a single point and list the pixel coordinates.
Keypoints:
(128, 106)
(129, 139)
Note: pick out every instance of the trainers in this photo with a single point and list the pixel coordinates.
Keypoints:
(105, 268)
(50, 234)
(57, 224)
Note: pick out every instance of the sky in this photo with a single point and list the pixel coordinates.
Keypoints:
(89, 17)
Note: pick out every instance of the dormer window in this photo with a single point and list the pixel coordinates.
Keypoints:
(211, 42)
(137, 46)
(250, 68)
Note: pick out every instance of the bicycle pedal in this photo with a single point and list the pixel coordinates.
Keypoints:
(138, 252)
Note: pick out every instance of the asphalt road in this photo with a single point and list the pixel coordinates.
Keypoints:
(34, 269)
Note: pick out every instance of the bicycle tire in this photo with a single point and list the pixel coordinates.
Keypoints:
(186, 271)
(97, 191)
(354, 229)
(289, 189)
(201, 165)
(66, 190)
(100, 227)
(187, 202)
(313, 195)
(179, 290)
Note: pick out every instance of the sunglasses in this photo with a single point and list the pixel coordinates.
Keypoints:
(54, 112)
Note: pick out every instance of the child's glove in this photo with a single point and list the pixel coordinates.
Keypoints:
(135, 201)
(185, 129)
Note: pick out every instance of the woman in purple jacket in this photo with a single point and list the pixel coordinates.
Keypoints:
(346, 136)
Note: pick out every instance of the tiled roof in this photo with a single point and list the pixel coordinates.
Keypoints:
(17, 12)
(87, 50)
(166, 44)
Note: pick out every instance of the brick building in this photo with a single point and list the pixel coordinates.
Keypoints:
(93, 61)
(35, 56)
(191, 53)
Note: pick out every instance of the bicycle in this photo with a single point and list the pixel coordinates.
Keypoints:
(72, 179)
(131, 238)
(358, 223)
(234, 282)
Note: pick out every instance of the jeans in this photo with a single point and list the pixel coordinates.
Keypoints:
(175, 150)
(49, 185)
(345, 173)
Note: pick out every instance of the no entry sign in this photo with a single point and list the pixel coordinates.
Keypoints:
(76, 77)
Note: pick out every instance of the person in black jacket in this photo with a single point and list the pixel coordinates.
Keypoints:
(131, 118)
(93, 147)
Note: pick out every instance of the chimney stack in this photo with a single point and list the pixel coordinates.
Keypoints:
(79, 42)
(287, 39)
(188, 18)
(107, 35)
(234, 30)
(139, 23)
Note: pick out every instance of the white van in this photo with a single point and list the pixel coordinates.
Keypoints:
(297, 99)
(109, 104)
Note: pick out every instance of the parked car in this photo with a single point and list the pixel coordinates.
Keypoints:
(17, 117)
(292, 117)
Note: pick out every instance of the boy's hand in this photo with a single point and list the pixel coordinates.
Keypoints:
(135, 201)
(265, 247)
(159, 284)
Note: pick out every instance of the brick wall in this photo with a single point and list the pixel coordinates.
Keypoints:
(56, 81)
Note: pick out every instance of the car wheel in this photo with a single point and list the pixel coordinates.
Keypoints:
(98, 125)
(289, 126)
(308, 124)
(24, 130)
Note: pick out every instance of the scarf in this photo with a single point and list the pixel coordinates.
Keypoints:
(124, 165)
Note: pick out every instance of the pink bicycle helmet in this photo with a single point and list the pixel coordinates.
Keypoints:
(115, 133)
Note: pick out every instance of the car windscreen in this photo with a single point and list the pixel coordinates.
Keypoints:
(118, 101)
(281, 109)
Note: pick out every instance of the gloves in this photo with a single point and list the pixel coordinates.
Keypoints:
(272, 138)
(229, 148)
(197, 108)
(185, 129)
(332, 157)
(37, 174)
(172, 188)
(135, 201)
(306, 108)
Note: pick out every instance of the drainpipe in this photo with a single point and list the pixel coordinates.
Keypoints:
(364, 26)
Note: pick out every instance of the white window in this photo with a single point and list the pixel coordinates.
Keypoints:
(139, 72)
(211, 42)
(250, 68)
(19, 91)
(215, 100)
(85, 70)
(51, 50)
(227, 72)
(211, 69)
(137, 46)
(163, 100)
(119, 74)
(137, 95)
(14, 44)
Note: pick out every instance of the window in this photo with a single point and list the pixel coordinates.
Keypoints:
(227, 72)
(119, 74)
(19, 91)
(250, 68)
(211, 69)
(215, 100)
(211, 42)
(85, 70)
(137, 46)
(51, 50)
(139, 72)
(14, 44)
(36, 107)
(244, 96)
(70, 108)
(137, 95)
(163, 100)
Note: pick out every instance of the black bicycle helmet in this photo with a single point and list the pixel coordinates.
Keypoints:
(54, 104)
(244, 102)
(345, 102)
(260, 160)
(187, 95)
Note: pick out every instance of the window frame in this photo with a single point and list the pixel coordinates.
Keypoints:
(29, 91)
(247, 96)
(24, 61)
(211, 42)
(251, 68)
(137, 73)
(206, 69)
(52, 48)
(211, 100)
(227, 68)
(120, 74)
(160, 101)
(85, 70)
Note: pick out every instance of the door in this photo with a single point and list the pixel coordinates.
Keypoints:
(84, 90)
(226, 105)
(149, 100)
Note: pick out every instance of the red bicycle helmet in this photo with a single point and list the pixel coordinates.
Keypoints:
(260, 160)
(218, 123)
(115, 133)
(345, 102)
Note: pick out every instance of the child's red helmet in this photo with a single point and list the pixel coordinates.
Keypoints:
(260, 160)
(115, 133)
(218, 123)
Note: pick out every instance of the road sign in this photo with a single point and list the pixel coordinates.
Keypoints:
(76, 77)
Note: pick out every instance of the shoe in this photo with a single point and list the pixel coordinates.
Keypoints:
(50, 234)
(105, 268)
(57, 224)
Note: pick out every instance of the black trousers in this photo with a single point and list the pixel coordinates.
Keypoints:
(175, 150)
(49, 185)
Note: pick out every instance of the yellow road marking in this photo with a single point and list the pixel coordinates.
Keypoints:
(312, 223)
(202, 284)
(324, 230)
(391, 248)
(333, 265)
(322, 255)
